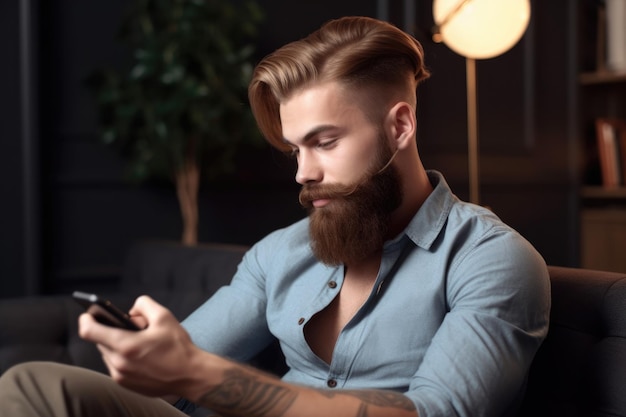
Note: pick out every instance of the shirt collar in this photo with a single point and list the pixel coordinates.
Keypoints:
(430, 219)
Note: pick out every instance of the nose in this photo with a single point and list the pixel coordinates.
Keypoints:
(308, 168)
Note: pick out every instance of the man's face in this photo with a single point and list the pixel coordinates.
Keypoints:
(332, 139)
(340, 155)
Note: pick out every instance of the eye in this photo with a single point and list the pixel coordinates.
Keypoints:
(327, 144)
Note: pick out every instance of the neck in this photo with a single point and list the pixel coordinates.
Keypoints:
(416, 188)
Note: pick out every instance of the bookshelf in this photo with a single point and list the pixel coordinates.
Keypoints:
(602, 77)
(603, 208)
(598, 193)
(603, 233)
(602, 95)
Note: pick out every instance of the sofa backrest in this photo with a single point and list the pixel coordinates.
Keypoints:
(180, 277)
(183, 277)
(580, 370)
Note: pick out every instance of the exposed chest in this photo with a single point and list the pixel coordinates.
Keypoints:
(323, 330)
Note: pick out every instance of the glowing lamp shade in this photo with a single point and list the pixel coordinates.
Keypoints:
(481, 29)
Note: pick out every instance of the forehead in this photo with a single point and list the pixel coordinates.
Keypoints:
(323, 104)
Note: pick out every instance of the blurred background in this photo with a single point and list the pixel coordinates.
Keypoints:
(69, 214)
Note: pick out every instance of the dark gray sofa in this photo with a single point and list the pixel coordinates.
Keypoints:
(179, 277)
(580, 370)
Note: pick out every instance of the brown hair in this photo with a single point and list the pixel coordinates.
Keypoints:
(363, 54)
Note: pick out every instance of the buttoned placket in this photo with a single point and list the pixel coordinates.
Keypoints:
(352, 333)
(330, 293)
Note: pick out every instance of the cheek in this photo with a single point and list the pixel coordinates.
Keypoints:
(351, 165)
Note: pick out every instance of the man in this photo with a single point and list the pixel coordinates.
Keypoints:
(393, 298)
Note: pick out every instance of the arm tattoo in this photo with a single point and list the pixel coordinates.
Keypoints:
(362, 411)
(242, 393)
(378, 398)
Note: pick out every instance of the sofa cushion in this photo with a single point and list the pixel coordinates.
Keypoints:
(44, 328)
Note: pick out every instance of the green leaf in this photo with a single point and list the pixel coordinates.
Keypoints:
(138, 71)
(109, 136)
(186, 89)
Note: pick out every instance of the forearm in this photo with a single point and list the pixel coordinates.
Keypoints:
(242, 391)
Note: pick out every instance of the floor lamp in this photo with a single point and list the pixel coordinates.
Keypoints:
(478, 29)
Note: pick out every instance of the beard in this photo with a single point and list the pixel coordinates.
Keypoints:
(355, 224)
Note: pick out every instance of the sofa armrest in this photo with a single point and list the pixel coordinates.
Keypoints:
(580, 370)
(44, 328)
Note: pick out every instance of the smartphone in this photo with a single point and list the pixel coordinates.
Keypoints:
(104, 311)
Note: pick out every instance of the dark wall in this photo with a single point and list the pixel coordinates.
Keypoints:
(19, 166)
(91, 214)
(70, 217)
(526, 110)
(10, 150)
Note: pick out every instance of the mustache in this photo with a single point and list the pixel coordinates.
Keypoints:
(312, 192)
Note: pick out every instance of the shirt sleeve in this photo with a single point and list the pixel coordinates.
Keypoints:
(498, 296)
(232, 323)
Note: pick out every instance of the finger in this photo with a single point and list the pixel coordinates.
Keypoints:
(141, 304)
(91, 330)
(106, 352)
(117, 363)
(149, 309)
(140, 321)
(127, 377)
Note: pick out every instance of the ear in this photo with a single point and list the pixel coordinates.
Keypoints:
(402, 124)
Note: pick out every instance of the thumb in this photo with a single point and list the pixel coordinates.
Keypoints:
(147, 308)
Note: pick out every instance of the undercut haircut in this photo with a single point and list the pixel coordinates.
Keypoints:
(370, 58)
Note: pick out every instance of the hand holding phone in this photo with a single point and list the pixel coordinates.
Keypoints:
(104, 311)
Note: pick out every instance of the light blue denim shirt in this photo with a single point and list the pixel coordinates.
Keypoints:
(460, 306)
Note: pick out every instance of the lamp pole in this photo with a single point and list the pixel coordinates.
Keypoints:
(472, 130)
(478, 29)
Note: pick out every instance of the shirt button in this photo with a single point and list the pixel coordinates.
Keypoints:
(301, 320)
(331, 383)
(332, 284)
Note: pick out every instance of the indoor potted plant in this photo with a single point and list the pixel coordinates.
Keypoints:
(180, 112)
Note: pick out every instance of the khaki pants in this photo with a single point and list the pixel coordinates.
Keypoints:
(54, 390)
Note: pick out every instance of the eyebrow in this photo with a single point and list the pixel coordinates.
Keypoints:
(312, 133)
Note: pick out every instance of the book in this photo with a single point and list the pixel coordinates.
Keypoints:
(621, 142)
(611, 141)
(616, 35)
